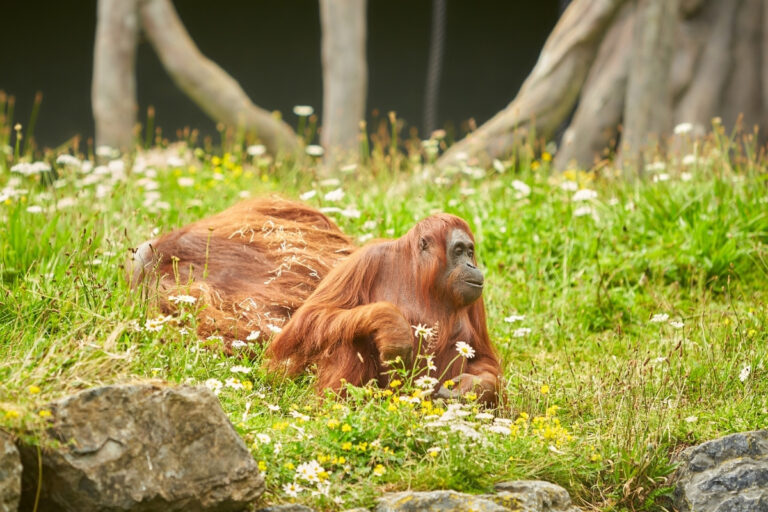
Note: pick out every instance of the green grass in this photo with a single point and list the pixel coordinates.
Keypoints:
(598, 396)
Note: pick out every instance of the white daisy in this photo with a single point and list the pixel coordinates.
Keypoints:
(303, 110)
(465, 349)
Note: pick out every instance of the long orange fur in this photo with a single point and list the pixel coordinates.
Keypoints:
(363, 313)
(251, 266)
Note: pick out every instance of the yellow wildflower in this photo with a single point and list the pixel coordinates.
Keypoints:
(33, 389)
(44, 413)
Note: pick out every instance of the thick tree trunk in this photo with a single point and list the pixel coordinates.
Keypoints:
(702, 99)
(647, 113)
(113, 90)
(550, 92)
(214, 91)
(345, 77)
(744, 95)
(659, 63)
(595, 123)
(764, 68)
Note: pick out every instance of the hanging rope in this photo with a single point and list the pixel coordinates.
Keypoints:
(434, 66)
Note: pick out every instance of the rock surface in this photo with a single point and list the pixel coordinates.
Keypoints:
(444, 501)
(729, 474)
(517, 496)
(289, 507)
(10, 475)
(533, 496)
(142, 448)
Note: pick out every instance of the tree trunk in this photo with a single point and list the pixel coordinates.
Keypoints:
(702, 99)
(550, 91)
(113, 90)
(647, 114)
(744, 95)
(434, 66)
(214, 91)
(345, 77)
(595, 123)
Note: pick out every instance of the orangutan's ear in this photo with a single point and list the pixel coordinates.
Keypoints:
(423, 244)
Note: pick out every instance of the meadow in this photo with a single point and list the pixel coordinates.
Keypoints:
(630, 315)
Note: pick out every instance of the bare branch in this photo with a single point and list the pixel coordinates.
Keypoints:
(345, 76)
(209, 86)
(113, 90)
(550, 91)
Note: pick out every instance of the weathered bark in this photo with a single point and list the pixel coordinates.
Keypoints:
(647, 113)
(595, 123)
(764, 68)
(345, 77)
(214, 91)
(743, 89)
(702, 99)
(434, 66)
(551, 90)
(113, 90)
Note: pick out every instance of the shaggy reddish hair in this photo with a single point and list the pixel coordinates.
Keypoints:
(251, 265)
(361, 316)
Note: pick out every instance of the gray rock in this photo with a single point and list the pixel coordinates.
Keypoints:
(10, 474)
(729, 474)
(532, 496)
(142, 448)
(288, 507)
(442, 501)
(517, 496)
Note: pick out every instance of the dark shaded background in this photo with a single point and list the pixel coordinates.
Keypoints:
(273, 49)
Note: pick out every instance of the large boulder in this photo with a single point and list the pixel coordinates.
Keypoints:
(533, 496)
(729, 474)
(10, 474)
(288, 507)
(517, 496)
(141, 448)
(442, 501)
